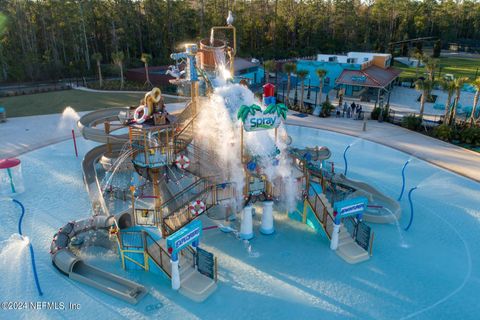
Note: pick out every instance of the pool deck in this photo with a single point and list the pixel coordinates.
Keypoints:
(445, 155)
(20, 135)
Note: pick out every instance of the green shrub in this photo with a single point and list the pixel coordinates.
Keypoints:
(376, 113)
(412, 122)
(470, 136)
(327, 108)
(443, 132)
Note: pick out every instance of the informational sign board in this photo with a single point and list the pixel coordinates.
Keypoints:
(206, 263)
(185, 236)
(255, 119)
(350, 207)
(359, 78)
(363, 235)
(145, 217)
(261, 121)
(256, 186)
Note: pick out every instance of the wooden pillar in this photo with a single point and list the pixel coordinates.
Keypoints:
(377, 102)
(157, 200)
(241, 144)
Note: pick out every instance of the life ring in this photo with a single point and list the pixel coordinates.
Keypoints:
(182, 161)
(197, 207)
(141, 114)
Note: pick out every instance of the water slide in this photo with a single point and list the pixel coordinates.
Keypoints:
(62, 256)
(381, 208)
(71, 265)
(87, 125)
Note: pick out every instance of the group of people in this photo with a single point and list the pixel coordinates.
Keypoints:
(353, 111)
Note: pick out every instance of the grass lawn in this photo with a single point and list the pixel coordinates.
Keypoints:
(457, 66)
(57, 101)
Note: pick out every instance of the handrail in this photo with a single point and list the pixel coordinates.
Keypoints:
(321, 201)
(184, 111)
(187, 189)
(161, 251)
(190, 218)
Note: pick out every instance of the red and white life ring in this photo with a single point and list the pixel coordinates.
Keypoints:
(141, 114)
(182, 161)
(197, 207)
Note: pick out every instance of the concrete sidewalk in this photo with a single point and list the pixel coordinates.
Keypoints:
(23, 134)
(20, 135)
(448, 156)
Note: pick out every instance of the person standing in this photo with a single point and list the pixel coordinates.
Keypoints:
(345, 107)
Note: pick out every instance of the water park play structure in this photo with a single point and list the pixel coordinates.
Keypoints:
(157, 178)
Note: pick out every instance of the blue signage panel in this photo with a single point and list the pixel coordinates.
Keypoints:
(350, 207)
(185, 236)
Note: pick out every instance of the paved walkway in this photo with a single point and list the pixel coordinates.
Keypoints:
(459, 160)
(23, 134)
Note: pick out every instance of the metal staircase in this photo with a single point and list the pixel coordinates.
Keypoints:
(347, 249)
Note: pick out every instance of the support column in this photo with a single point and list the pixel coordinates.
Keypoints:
(335, 234)
(246, 228)
(267, 218)
(175, 272)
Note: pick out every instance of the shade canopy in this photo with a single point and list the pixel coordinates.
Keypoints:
(9, 163)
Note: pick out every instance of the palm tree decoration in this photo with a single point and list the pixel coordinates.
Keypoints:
(280, 109)
(419, 57)
(245, 110)
(458, 84)
(269, 66)
(431, 65)
(449, 87)
(302, 74)
(146, 58)
(476, 84)
(97, 56)
(118, 58)
(424, 86)
(321, 75)
(289, 68)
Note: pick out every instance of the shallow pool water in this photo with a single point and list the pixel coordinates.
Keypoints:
(430, 272)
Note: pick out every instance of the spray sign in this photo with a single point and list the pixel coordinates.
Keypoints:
(350, 207)
(255, 119)
(261, 121)
(185, 236)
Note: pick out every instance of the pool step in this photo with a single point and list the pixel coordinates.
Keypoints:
(348, 249)
(352, 253)
(196, 286)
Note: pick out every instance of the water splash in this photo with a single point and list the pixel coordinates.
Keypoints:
(14, 263)
(246, 243)
(356, 141)
(69, 119)
(221, 136)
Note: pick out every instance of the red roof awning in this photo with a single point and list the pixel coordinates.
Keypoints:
(372, 76)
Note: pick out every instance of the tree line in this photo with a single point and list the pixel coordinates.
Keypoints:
(49, 39)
